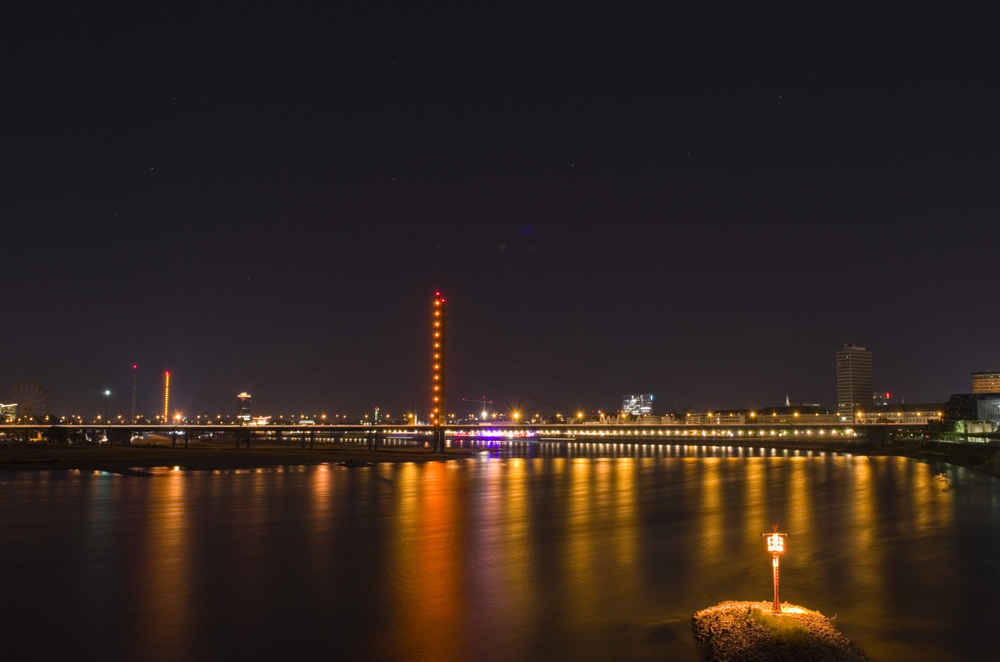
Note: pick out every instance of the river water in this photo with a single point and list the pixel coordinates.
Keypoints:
(529, 554)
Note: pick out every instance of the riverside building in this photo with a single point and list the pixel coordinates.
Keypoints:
(800, 415)
(713, 418)
(243, 408)
(900, 414)
(854, 380)
(638, 405)
(791, 415)
(973, 407)
(986, 382)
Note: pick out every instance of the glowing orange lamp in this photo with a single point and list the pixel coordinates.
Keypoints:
(775, 545)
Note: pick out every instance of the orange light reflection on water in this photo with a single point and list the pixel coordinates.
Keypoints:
(579, 541)
(800, 499)
(711, 549)
(517, 556)
(166, 626)
(756, 492)
(321, 511)
(866, 569)
(626, 536)
(427, 560)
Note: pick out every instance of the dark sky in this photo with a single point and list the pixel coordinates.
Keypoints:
(715, 197)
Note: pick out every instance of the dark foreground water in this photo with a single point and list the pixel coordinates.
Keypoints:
(494, 558)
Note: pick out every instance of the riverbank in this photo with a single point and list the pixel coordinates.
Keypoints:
(980, 457)
(747, 632)
(121, 459)
(201, 456)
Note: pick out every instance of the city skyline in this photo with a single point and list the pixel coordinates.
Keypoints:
(852, 380)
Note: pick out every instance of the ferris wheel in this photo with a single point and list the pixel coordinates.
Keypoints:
(31, 399)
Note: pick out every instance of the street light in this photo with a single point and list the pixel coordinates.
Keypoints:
(107, 401)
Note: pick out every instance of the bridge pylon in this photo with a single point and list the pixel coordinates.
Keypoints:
(438, 416)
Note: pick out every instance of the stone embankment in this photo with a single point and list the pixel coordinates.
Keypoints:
(747, 632)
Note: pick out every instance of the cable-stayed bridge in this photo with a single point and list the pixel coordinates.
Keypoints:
(432, 343)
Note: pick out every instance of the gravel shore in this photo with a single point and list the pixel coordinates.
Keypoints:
(728, 633)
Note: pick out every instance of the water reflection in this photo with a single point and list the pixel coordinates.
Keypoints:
(165, 622)
(579, 541)
(557, 555)
(800, 499)
(321, 513)
(516, 568)
(427, 557)
(626, 535)
(755, 488)
(710, 547)
(860, 542)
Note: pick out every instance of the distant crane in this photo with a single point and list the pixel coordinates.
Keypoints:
(485, 403)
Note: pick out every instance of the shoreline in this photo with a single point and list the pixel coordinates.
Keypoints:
(207, 457)
(127, 459)
(930, 457)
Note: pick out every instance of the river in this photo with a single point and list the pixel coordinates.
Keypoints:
(529, 553)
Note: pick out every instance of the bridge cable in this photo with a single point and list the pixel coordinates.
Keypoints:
(398, 323)
(530, 366)
(586, 355)
(345, 379)
(501, 387)
(394, 385)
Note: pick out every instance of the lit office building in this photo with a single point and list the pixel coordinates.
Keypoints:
(973, 407)
(854, 380)
(637, 405)
(986, 382)
(243, 408)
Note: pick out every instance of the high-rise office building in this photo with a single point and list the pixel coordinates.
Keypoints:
(986, 382)
(243, 408)
(854, 380)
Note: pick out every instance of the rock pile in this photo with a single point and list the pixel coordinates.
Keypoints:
(729, 633)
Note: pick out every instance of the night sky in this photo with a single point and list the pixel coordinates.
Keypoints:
(613, 197)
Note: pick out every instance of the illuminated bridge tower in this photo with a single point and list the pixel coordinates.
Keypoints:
(438, 417)
(166, 396)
